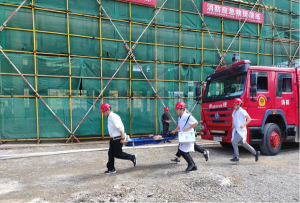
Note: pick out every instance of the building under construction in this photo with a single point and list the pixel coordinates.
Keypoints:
(68, 50)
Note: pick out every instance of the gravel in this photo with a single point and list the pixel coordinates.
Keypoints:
(78, 177)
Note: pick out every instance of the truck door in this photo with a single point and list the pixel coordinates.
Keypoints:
(259, 105)
(285, 96)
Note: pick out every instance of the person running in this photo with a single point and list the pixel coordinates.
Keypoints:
(240, 119)
(186, 123)
(197, 148)
(116, 131)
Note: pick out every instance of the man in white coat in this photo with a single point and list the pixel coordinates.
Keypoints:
(186, 123)
(240, 119)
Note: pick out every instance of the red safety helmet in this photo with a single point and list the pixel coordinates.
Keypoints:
(180, 105)
(237, 101)
(104, 107)
(166, 109)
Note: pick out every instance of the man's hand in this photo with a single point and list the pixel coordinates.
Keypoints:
(173, 132)
(242, 126)
(168, 122)
(122, 141)
(185, 130)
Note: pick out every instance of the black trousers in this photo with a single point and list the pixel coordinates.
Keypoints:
(187, 157)
(197, 148)
(165, 129)
(115, 151)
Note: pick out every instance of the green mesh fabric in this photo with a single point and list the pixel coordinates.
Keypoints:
(22, 19)
(61, 107)
(80, 25)
(16, 40)
(17, 118)
(24, 62)
(49, 21)
(143, 116)
(71, 51)
(92, 125)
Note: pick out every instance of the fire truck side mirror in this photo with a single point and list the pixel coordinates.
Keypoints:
(198, 91)
(253, 79)
(253, 90)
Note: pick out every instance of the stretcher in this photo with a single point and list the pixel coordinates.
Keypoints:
(147, 140)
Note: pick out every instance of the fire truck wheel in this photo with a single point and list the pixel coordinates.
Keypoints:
(272, 140)
(226, 145)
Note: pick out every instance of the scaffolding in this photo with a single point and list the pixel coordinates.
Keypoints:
(69, 50)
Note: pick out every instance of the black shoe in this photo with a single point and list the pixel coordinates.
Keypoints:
(195, 168)
(168, 141)
(190, 168)
(110, 172)
(235, 159)
(134, 161)
(257, 155)
(206, 155)
(176, 160)
(189, 160)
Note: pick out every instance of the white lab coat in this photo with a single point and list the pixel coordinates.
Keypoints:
(239, 118)
(186, 147)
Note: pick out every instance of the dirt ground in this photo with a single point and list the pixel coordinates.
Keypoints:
(79, 177)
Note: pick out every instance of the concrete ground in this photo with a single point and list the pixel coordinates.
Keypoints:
(78, 177)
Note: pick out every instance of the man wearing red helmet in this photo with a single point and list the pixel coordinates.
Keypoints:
(116, 131)
(187, 123)
(165, 119)
(240, 119)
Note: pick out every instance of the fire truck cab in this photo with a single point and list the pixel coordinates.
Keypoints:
(269, 94)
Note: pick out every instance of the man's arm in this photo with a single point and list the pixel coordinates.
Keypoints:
(191, 127)
(168, 119)
(176, 130)
(119, 125)
(248, 120)
(232, 124)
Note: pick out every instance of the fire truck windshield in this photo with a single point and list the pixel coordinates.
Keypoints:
(224, 88)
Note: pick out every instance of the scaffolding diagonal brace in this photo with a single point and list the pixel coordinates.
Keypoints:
(5, 22)
(273, 25)
(128, 54)
(133, 56)
(292, 60)
(35, 92)
(220, 55)
(223, 57)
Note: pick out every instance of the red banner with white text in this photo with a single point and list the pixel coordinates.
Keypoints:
(232, 13)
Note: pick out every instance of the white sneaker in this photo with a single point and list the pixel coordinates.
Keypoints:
(206, 155)
(134, 160)
(110, 172)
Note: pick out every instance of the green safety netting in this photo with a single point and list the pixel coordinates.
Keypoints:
(180, 36)
(17, 118)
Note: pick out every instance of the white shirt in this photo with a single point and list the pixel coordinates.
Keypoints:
(239, 118)
(186, 147)
(115, 125)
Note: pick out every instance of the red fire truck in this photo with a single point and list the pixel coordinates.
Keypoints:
(269, 94)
